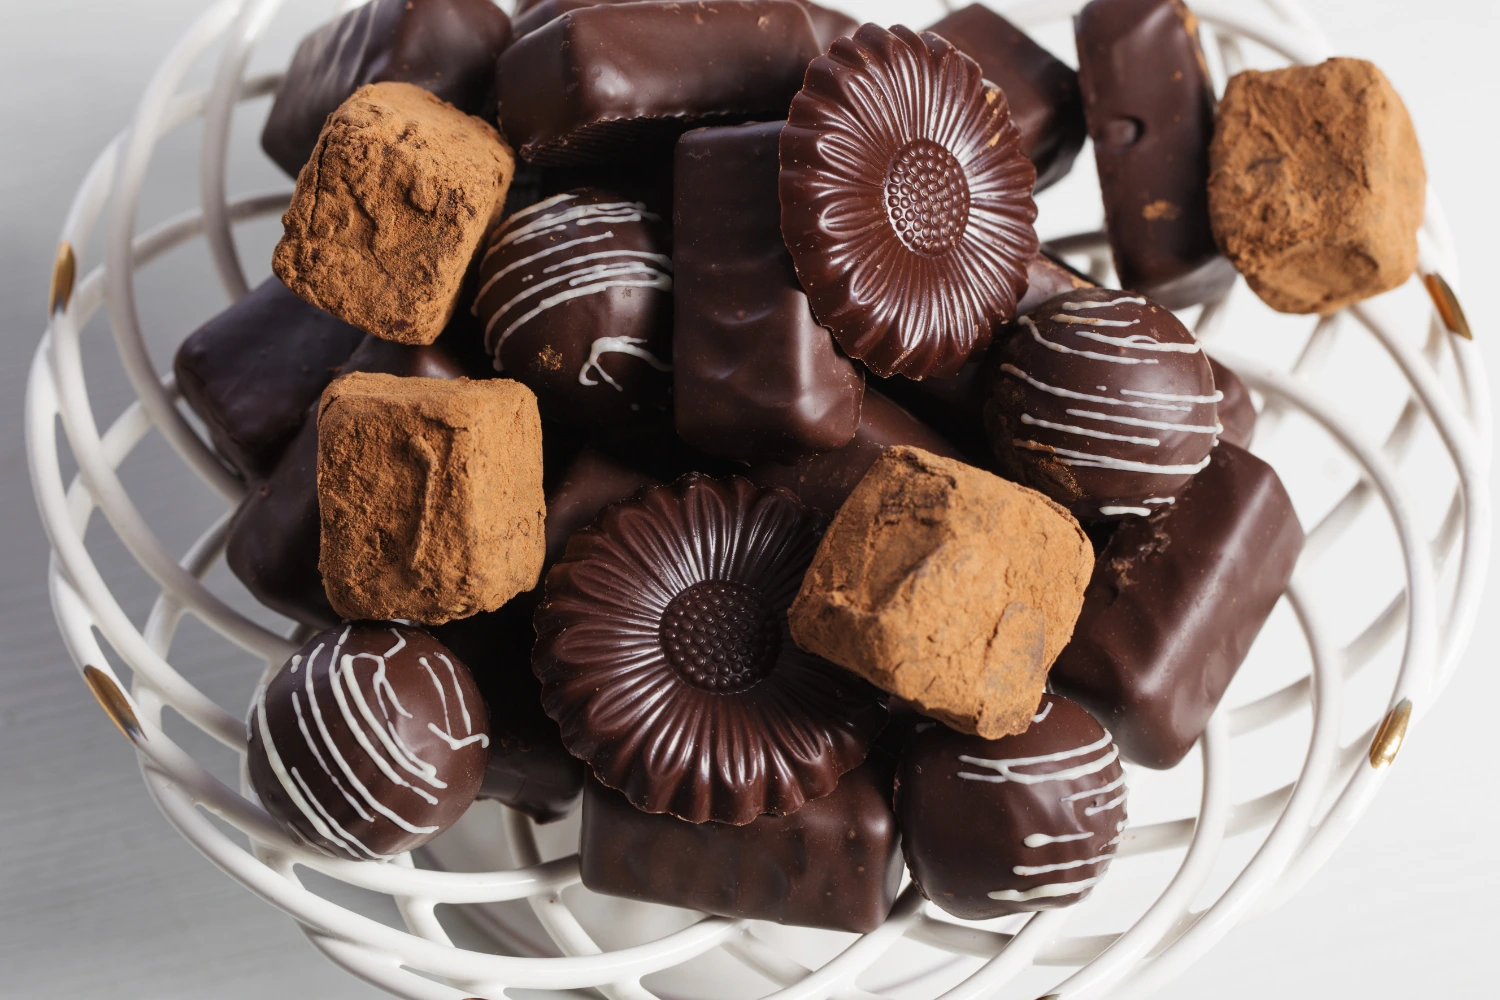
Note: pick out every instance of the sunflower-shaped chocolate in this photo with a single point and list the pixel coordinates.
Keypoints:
(906, 201)
(665, 656)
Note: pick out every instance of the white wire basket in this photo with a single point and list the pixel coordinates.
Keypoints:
(1284, 771)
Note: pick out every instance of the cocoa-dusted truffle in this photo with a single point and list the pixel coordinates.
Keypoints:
(663, 652)
(391, 209)
(1104, 401)
(906, 201)
(431, 496)
(369, 742)
(946, 586)
(446, 46)
(1028, 822)
(1317, 187)
(575, 297)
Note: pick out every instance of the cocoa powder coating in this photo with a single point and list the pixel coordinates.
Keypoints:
(430, 494)
(1317, 185)
(949, 587)
(391, 209)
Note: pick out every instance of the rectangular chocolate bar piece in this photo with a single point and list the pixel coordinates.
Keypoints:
(616, 81)
(755, 376)
(448, 47)
(1175, 602)
(1042, 89)
(835, 863)
(251, 372)
(1149, 103)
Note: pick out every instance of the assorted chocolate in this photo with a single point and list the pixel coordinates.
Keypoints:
(1027, 822)
(369, 742)
(575, 298)
(906, 201)
(762, 481)
(448, 47)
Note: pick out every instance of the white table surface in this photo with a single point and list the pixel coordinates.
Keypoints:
(99, 898)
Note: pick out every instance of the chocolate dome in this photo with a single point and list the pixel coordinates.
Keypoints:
(665, 656)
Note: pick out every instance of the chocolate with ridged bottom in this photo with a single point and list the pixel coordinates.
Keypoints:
(617, 81)
(251, 372)
(273, 540)
(1150, 108)
(1175, 602)
(835, 863)
(446, 46)
(823, 482)
(754, 375)
(1042, 89)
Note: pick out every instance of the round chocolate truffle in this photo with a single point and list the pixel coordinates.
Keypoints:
(906, 201)
(1104, 401)
(665, 655)
(1027, 822)
(369, 742)
(575, 297)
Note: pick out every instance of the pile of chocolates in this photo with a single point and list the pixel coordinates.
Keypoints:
(670, 406)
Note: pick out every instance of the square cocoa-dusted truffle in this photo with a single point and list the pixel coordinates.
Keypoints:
(391, 209)
(949, 587)
(430, 495)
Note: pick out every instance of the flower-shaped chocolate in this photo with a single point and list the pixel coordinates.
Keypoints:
(664, 654)
(906, 201)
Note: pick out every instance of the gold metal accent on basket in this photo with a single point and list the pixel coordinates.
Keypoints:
(64, 270)
(1448, 307)
(1390, 735)
(114, 703)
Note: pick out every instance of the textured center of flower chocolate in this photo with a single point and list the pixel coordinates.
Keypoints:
(927, 198)
(720, 637)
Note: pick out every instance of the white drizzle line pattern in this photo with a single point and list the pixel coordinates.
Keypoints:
(1086, 306)
(344, 682)
(1084, 460)
(1172, 397)
(579, 276)
(1085, 432)
(1043, 839)
(1054, 390)
(1042, 715)
(1111, 511)
(1157, 425)
(1052, 345)
(617, 345)
(1006, 768)
(1052, 891)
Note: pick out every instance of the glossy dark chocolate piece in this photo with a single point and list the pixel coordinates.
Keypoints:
(1150, 108)
(369, 742)
(1022, 823)
(755, 376)
(1175, 603)
(619, 81)
(251, 372)
(664, 654)
(1102, 400)
(1237, 412)
(448, 47)
(575, 299)
(827, 24)
(1042, 89)
(273, 540)
(906, 201)
(530, 17)
(835, 863)
(824, 482)
(1047, 277)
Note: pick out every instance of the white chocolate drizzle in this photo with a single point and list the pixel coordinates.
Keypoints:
(617, 345)
(1042, 715)
(1043, 839)
(1051, 891)
(1052, 345)
(1085, 460)
(369, 710)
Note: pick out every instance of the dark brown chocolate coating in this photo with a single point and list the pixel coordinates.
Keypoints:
(531, 16)
(823, 482)
(273, 541)
(1236, 410)
(617, 81)
(1048, 277)
(755, 376)
(906, 201)
(1102, 400)
(835, 863)
(369, 742)
(1150, 108)
(665, 655)
(252, 371)
(448, 47)
(827, 24)
(1175, 603)
(1042, 89)
(575, 298)
(1022, 823)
